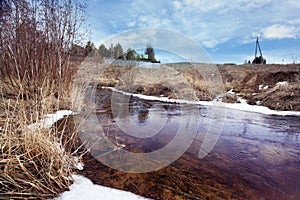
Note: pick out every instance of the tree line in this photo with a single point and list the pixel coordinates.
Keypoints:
(117, 52)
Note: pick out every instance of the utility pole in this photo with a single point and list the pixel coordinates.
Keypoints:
(258, 59)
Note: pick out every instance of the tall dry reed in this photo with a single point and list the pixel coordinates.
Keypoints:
(36, 73)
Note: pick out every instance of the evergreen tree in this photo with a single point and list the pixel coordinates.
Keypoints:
(150, 53)
(131, 54)
(104, 52)
(118, 51)
(89, 48)
(111, 51)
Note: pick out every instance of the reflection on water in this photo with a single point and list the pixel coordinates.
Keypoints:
(256, 157)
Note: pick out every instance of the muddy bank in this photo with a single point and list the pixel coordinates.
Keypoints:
(257, 84)
(273, 86)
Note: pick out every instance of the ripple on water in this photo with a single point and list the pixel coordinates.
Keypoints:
(256, 157)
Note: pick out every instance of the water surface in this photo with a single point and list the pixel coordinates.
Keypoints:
(257, 156)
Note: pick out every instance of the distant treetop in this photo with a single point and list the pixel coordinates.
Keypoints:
(116, 52)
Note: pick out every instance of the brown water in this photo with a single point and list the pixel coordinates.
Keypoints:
(256, 157)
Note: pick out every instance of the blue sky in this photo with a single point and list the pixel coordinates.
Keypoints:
(225, 29)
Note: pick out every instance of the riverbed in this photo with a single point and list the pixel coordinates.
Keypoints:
(252, 156)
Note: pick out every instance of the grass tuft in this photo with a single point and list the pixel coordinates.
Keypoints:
(34, 162)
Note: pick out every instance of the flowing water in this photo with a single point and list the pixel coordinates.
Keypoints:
(256, 156)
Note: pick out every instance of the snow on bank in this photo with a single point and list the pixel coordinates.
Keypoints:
(260, 109)
(241, 100)
(47, 122)
(262, 87)
(162, 99)
(243, 106)
(231, 92)
(50, 119)
(83, 188)
(283, 83)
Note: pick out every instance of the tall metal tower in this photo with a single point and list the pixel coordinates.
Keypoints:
(258, 59)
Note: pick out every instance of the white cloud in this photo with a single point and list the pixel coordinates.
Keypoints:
(278, 31)
(211, 43)
(210, 23)
(204, 5)
(132, 23)
(252, 4)
(293, 3)
(153, 21)
(144, 18)
(177, 5)
(136, 38)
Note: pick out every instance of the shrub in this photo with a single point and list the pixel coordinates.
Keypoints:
(36, 73)
(36, 38)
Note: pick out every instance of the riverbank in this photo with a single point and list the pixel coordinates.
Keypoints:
(274, 86)
(242, 106)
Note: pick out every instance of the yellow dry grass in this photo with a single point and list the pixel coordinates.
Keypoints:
(204, 82)
(36, 162)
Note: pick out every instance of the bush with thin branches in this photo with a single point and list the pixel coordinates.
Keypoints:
(36, 73)
(36, 37)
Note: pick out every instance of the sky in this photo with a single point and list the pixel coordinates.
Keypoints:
(226, 30)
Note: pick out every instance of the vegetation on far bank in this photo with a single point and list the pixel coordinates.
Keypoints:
(258, 84)
(115, 52)
(273, 85)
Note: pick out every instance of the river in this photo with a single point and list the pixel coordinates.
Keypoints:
(253, 156)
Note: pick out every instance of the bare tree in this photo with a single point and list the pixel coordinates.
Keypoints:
(36, 38)
(131, 69)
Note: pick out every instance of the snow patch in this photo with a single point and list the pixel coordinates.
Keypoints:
(237, 106)
(261, 109)
(83, 188)
(242, 101)
(231, 92)
(262, 87)
(78, 164)
(283, 83)
(50, 119)
(162, 99)
(47, 122)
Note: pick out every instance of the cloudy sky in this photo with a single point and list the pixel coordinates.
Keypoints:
(225, 29)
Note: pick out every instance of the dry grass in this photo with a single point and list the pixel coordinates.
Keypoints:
(169, 79)
(246, 79)
(285, 97)
(36, 79)
(37, 162)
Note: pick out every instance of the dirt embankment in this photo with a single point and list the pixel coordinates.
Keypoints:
(274, 86)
